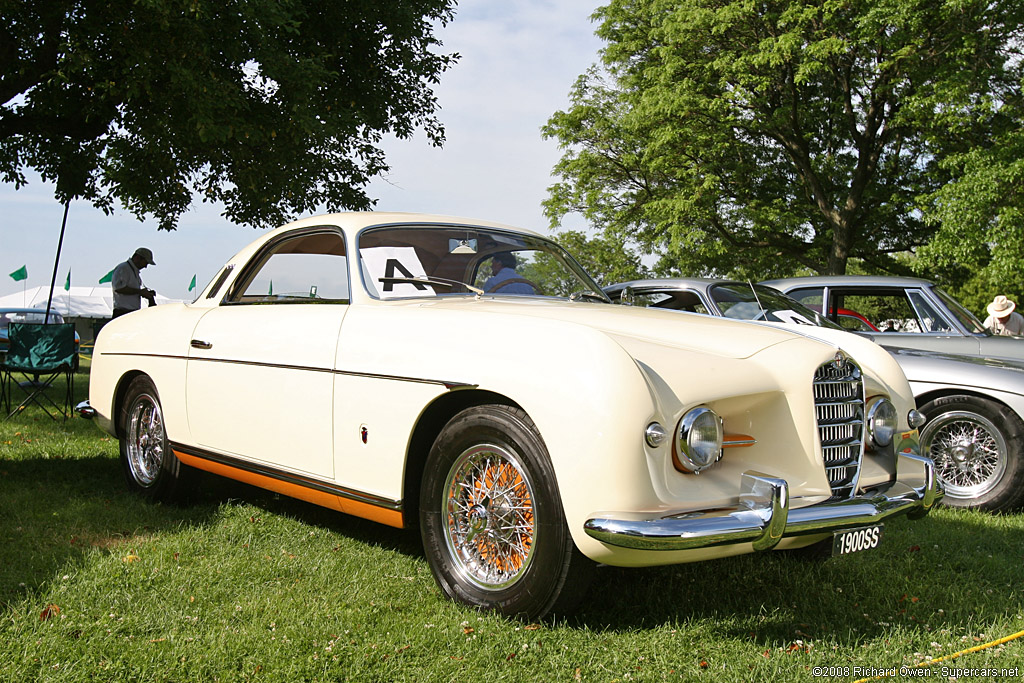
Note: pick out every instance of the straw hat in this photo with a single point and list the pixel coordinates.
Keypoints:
(1001, 307)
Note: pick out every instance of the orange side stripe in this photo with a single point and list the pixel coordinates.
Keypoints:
(328, 500)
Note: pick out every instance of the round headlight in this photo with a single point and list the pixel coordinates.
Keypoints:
(699, 439)
(882, 422)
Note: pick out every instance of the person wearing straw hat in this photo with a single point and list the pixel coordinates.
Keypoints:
(1002, 319)
(126, 282)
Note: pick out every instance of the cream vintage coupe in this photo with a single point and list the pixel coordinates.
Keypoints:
(470, 379)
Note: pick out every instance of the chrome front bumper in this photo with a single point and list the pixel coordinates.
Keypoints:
(763, 516)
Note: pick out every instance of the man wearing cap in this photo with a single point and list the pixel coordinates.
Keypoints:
(505, 278)
(1001, 318)
(127, 283)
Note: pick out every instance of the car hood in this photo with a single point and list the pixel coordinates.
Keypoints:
(692, 332)
(949, 368)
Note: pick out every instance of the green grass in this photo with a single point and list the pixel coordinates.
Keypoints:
(245, 586)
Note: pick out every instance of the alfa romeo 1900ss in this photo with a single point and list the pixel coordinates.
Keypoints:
(470, 379)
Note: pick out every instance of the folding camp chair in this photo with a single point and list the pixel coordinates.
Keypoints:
(42, 354)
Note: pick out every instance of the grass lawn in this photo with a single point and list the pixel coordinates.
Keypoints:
(96, 585)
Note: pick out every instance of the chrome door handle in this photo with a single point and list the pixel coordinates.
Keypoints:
(196, 344)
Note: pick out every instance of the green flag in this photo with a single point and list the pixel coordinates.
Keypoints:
(107, 278)
(20, 274)
(67, 284)
(271, 292)
(192, 285)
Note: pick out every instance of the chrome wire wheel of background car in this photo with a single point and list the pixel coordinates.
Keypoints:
(975, 444)
(150, 467)
(491, 517)
(489, 525)
(968, 453)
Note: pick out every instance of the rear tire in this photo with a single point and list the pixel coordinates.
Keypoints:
(491, 518)
(976, 446)
(150, 467)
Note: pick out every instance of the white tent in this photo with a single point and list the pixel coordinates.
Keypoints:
(79, 302)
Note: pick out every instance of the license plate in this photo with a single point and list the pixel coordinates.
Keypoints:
(854, 540)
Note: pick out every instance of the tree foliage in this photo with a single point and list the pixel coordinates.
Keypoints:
(272, 107)
(759, 138)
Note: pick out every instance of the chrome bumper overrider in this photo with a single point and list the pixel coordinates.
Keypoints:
(85, 410)
(763, 516)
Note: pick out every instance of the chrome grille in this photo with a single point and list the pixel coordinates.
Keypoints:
(839, 409)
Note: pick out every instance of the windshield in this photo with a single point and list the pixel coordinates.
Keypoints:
(966, 318)
(429, 261)
(740, 301)
(8, 317)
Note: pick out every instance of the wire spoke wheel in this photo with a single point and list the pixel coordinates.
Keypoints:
(491, 518)
(489, 524)
(969, 453)
(150, 466)
(145, 440)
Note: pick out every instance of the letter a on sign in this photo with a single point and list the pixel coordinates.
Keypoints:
(382, 263)
(390, 268)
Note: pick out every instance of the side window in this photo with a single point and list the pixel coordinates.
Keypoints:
(310, 268)
(888, 311)
(931, 319)
(808, 297)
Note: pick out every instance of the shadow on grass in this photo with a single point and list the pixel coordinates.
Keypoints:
(212, 489)
(941, 572)
(54, 511)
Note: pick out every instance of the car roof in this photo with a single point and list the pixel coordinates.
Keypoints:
(668, 282)
(855, 280)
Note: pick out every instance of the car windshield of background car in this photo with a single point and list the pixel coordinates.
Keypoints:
(966, 318)
(739, 301)
(442, 261)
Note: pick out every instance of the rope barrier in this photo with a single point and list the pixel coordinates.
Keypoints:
(931, 662)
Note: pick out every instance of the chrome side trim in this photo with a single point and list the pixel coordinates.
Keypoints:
(448, 384)
(763, 516)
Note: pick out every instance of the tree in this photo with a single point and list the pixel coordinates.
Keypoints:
(761, 138)
(979, 243)
(271, 107)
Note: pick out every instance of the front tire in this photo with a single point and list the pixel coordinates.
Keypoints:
(491, 517)
(150, 467)
(976, 446)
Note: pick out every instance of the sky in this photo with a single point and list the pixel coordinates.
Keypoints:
(519, 61)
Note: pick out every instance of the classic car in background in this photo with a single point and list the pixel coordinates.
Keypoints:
(472, 380)
(974, 405)
(906, 312)
(30, 315)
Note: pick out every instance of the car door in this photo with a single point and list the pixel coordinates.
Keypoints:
(904, 317)
(260, 377)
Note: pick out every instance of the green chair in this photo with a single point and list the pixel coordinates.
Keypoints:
(42, 354)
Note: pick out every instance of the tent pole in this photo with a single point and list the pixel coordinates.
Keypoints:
(56, 261)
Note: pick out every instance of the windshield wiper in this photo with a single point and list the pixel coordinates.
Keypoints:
(440, 281)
